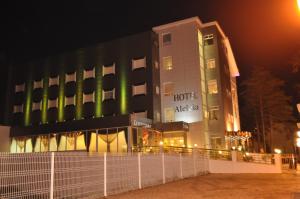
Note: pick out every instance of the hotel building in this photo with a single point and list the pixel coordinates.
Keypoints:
(175, 83)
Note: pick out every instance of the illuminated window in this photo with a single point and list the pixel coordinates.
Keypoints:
(110, 69)
(89, 74)
(213, 113)
(212, 86)
(139, 63)
(167, 63)
(88, 97)
(70, 100)
(156, 64)
(36, 106)
(53, 81)
(168, 88)
(18, 108)
(158, 116)
(37, 84)
(169, 114)
(167, 38)
(139, 89)
(106, 95)
(157, 90)
(211, 63)
(209, 39)
(20, 88)
(71, 77)
(142, 114)
(52, 103)
(216, 142)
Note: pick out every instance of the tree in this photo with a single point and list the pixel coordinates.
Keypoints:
(264, 95)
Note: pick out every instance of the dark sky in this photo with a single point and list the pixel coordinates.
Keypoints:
(262, 32)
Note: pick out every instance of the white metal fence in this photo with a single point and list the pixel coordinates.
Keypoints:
(92, 175)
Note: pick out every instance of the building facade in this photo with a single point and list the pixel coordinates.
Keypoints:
(198, 79)
(174, 84)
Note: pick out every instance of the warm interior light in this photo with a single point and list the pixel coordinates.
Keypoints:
(278, 151)
(298, 132)
(298, 2)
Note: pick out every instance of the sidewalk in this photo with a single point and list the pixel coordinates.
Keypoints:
(223, 186)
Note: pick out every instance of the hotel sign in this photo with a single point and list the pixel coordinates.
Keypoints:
(186, 97)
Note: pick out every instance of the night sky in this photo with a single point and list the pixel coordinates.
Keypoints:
(262, 32)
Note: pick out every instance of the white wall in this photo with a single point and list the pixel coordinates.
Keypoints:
(185, 73)
(4, 138)
(227, 166)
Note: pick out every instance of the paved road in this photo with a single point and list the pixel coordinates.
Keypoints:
(223, 186)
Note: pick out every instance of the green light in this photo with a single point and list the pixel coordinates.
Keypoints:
(123, 90)
(28, 100)
(98, 93)
(61, 95)
(79, 86)
(45, 96)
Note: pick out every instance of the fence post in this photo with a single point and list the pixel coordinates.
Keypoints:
(163, 167)
(104, 169)
(234, 156)
(278, 162)
(52, 176)
(180, 162)
(194, 161)
(140, 174)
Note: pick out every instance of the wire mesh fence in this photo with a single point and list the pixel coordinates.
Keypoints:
(92, 175)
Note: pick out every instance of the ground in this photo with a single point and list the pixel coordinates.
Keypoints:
(223, 186)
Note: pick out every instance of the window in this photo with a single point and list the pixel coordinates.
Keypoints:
(213, 113)
(216, 142)
(212, 86)
(106, 95)
(18, 108)
(211, 63)
(156, 64)
(37, 84)
(167, 38)
(157, 90)
(169, 114)
(139, 89)
(168, 89)
(88, 97)
(138, 63)
(142, 114)
(52, 103)
(53, 81)
(20, 88)
(167, 63)
(89, 74)
(36, 106)
(71, 77)
(158, 116)
(110, 69)
(209, 39)
(70, 100)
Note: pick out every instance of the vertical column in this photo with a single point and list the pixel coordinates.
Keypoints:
(105, 177)
(52, 176)
(79, 85)
(123, 88)
(98, 93)
(163, 167)
(140, 173)
(44, 118)
(61, 95)
(180, 162)
(28, 98)
(194, 161)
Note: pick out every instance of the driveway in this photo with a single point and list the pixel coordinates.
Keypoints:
(224, 186)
